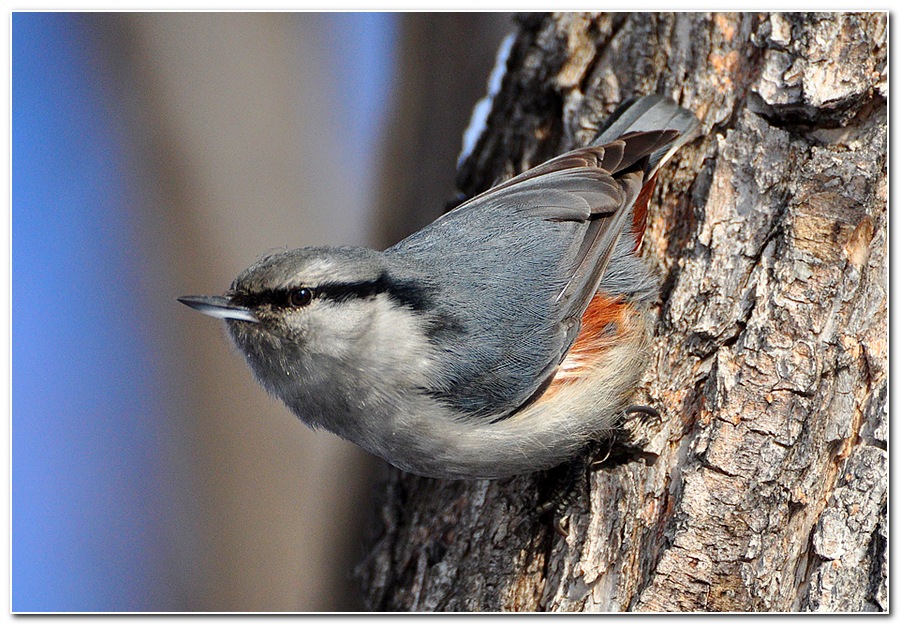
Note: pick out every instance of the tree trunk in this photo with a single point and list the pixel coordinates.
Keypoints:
(764, 484)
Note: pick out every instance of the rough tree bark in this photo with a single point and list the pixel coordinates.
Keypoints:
(763, 486)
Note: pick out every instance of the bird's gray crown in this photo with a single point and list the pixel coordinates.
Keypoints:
(333, 273)
(310, 266)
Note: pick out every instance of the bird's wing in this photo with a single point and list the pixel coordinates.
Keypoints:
(518, 265)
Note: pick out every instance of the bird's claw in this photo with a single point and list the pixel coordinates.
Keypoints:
(640, 409)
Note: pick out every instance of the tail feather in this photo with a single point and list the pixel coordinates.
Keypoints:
(648, 113)
(639, 212)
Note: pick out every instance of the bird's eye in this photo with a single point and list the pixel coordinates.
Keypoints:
(300, 297)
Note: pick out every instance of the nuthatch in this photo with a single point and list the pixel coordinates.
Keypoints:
(499, 340)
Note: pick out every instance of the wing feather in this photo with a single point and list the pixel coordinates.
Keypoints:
(534, 250)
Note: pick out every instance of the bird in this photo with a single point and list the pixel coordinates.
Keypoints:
(499, 340)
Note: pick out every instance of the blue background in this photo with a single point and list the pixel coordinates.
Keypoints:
(88, 492)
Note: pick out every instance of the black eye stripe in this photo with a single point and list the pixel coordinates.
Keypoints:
(404, 293)
(275, 298)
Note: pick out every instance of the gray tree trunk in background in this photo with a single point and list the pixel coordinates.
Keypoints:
(443, 60)
(764, 485)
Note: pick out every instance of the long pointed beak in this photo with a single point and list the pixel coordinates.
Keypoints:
(218, 307)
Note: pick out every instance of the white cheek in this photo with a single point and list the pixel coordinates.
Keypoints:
(331, 328)
(380, 338)
(377, 336)
(402, 339)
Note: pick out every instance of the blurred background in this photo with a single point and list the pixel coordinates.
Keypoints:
(157, 155)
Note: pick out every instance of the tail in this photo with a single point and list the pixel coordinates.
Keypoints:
(649, 113)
